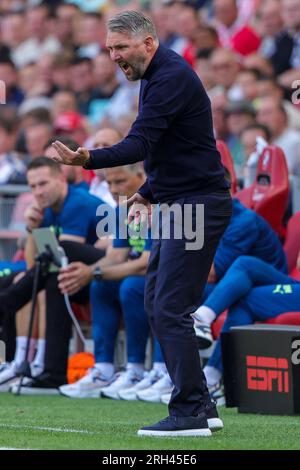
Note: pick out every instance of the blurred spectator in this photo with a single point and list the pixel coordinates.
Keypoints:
(164, 23)
(44, 70)
(8, 74)
(286, 58)
(258, 62)
(226, 67)
(27, 79)
(187, 25)
(233, 32)
(249, 134)
(272, 114)
(268, 87)
(205, 38)
(65, 20)
(61, 70)
(90, 35)
(35, 116)
(72, 124)
(99, 186)
(36, 137)
(107, 83)
(270, 25)
(63, 102)
(204, 70)
(13, 31)
(249, 137)
(83, 83)
(246, 82)
(123, 103)
(12, 166)
(240, 114)
(219, 104)
(39, 42)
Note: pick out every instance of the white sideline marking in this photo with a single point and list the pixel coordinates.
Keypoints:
(44, 428)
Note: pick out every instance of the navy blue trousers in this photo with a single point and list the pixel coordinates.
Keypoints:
(175, 281)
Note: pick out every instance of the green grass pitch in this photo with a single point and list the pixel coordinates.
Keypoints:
(57, 423)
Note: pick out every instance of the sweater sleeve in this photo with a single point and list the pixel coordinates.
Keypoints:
(161, 104)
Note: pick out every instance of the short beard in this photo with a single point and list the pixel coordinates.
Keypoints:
(138, 69)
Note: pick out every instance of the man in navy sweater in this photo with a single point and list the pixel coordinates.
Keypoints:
(173, 134)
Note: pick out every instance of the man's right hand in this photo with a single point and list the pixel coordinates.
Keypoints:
(74, 277)
(68, 157)
(298, 261)
(33, 216)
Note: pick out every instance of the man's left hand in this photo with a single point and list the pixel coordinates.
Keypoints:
(74, 277)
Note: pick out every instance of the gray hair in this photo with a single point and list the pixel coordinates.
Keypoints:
(132, 22)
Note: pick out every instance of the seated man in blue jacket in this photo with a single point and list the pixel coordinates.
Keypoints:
(252, 290)
(247, 234)
(72, 214)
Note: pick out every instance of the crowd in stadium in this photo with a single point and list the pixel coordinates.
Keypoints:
(60, 84)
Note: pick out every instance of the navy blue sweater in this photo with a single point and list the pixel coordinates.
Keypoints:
(173, 133)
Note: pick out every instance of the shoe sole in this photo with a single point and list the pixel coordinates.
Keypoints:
(183, 433)
(34, 391)
(5, 386)
(95, 394)
(215, 424)
(126, 398)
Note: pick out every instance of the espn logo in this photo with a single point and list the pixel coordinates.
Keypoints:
(266, 374)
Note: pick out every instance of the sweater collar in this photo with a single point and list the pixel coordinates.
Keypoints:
(156, 61)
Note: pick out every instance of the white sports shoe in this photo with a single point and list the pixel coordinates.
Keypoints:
(36, 369)
(89, 386)
(8, 376)
(123, 381)
(150, 378)
(154, 392)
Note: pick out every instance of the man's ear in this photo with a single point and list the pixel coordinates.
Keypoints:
(149, 43)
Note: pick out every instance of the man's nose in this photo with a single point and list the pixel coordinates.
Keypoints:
(115, 56)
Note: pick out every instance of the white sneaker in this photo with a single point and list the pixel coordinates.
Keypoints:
(8, 376)
(150, 378)
(165, 398)
(89, 386)
(154, 393)
(204, 334)
(123, 381)
(36, 369)
(217, 393)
